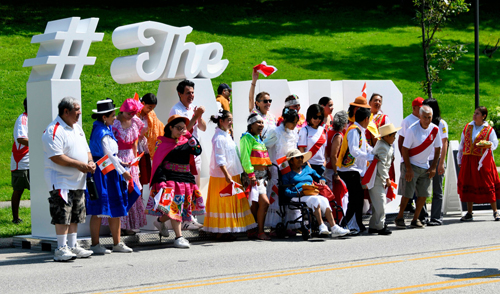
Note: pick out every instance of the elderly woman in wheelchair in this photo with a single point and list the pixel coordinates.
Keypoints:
(299, 187)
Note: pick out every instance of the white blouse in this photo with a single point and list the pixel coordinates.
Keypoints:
(475, 131)
(110, 147)
(279, 141)
(224, 153)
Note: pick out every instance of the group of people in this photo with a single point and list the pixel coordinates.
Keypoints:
(349, 151)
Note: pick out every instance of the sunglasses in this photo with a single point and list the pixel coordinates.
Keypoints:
(266, 100)
(179, 128)
(318, 117)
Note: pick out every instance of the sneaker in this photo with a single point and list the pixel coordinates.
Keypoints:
(121, 247)
(191, 225)
(434, 222)
(400, 223)
(162, 229)
(496, 215)
(81, 252)
(323, 230)
(417, 224)
(63, 254)
(338, 231)
(17, 221)
(99, 249)
(181, 243)
(467, 218)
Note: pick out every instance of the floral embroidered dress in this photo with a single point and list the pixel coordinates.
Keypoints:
(173, 169)
(126, 139)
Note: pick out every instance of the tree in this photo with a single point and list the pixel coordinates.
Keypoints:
(432, 15)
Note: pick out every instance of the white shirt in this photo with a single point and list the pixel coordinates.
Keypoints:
(279, 141)
(224, 153)
(110, 147)
(407, 122)
(475, 131)
(362, 155)
(20, 131)
(443, 131)
(188, 112)
(415, 135)
(308, 136)
(59, 138)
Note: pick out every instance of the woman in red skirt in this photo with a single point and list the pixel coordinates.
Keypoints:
(478, 181)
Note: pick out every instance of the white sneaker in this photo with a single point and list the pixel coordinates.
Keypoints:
(181, 243)
(338, 231)
(323, 230)
(191, 225)
(162, 229)
(121, 247)
(81, 252)
(63, 254)
(99, 249)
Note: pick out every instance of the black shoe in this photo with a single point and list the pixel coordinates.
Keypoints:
(467, 218)
(384, 231)
(496, 215)
(17, 221)
(434, 222)
(372, 231)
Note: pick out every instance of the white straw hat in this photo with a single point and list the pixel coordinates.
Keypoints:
(386, 130)
(296, 153)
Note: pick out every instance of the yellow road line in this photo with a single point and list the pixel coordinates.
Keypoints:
(452, 287)
(308, 270)
(428, 284)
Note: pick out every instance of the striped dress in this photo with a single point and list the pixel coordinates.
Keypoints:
(253, 153)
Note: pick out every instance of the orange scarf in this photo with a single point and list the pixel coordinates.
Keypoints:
(155, 130)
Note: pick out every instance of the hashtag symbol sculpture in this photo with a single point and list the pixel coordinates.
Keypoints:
(63, 49)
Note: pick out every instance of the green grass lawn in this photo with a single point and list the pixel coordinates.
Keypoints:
(319, 41)
(8, 229)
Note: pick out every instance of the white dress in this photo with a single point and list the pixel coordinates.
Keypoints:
(278, 142)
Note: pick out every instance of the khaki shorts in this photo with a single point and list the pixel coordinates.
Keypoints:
(420, 182)
(20, 179)
(73, 212)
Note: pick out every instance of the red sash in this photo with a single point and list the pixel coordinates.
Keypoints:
(427, 142)
(18, 154)
(322, 139)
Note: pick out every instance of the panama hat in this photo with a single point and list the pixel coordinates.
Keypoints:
(104, 106)
(360, 101)
(296, 153)
(176, 116)
(386, 130)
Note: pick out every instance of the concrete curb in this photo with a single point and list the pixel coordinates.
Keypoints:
(6, 242)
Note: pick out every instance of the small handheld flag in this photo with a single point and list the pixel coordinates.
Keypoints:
(136, 160)
(105, 164)
(363, 91)
(265, 69)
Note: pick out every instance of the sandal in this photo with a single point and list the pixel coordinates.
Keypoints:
(263, 237)
(252, 235)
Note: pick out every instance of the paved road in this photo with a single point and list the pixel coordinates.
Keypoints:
(454, 258)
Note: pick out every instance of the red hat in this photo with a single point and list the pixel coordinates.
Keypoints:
(418, 102)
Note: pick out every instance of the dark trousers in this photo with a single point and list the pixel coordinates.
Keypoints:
(352, 181)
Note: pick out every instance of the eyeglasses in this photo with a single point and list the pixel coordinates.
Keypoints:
(266, 100)
(179, 128)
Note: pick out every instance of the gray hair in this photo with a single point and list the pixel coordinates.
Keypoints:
(425, 109)
(68, 103)
(340, 120)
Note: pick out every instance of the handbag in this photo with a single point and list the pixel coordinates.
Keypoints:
(325, 191)
(91, 187)
(310, 190)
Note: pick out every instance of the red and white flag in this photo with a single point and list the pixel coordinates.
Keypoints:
(136, 160)
(370, 174)
(233, 189)
(265, 69)
(283, 165)
(485, 154)
(391, 192)
(363, 91)
(105, 164)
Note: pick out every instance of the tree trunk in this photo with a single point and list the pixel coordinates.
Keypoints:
(425, 49)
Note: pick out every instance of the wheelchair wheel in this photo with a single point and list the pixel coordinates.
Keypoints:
(305, 233)
(280, 230)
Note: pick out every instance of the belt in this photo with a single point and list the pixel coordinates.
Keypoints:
(176, 167)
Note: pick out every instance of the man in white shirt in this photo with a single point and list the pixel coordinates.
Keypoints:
(67, 162)
(407, 122)
(20, 163)
(421, 139)
(352, 162)
(185, 107)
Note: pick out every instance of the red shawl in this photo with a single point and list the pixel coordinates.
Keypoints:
(165, 145)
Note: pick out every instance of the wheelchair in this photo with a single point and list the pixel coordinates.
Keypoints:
(308, 223)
